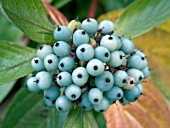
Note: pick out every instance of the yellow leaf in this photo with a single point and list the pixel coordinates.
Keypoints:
(165, 26)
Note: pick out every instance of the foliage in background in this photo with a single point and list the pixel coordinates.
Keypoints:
(38, 26)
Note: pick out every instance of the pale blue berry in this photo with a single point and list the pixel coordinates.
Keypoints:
(80, 37)
(107, 26)
(137, 62)
(52, 93)
(137, 74)
(80, 76)
(102, 54)
(103, 105)
(123, 56)
(32, 84)
(116, 59)
(44, 50)
(121, 78)
(127, 46)
(51, 62)
(119, 41)
(95, 67)
(37, 64)
(95, 96)
(62, 33)
(45, 80)
(109, 42)
(48, 103)
(146, 72)
(115, 93)
(85, 103)
(104, 81)
(66, 64)
(73, 92)
(63, 104)
(61, 48)
(85, 52)
(140, 53)
(90, 25)
(132, 94)
(140, 87)
(64, 79)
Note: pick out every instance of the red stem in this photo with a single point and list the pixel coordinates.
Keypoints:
(92, 9)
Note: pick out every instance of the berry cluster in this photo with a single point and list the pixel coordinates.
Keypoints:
(94, 67)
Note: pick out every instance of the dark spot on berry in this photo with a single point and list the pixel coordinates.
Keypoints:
(62, 65)
(59, 108)
(82, 50)
(96, 100)
(124, 81)
(36, 61)
(131, 82)
(50, 61)
(136, 98)
(106, 54)
(140, 78)
(83, 32)
(47, 97)
(41, 47)
(84, 107)
(88, 20)
(79, 76)
(73, 96)
(121, 57)
(95, 67)
(101, 110)
(107, 80)
(118, 95)
(37, 81)
(110, 38)
(60, 77)
(58, 29)
(56, 44)
(141, 93)
(142, 58)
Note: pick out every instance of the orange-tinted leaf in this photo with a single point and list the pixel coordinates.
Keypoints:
(56, 16)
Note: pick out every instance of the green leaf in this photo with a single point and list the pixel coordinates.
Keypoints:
(31, 17)
(15, 61)
(77, 118)
(25, 111)
(5, 89)
(88, 119)
(60, 3)
(101, 122)
(56, 119)
(8, 31)
(142, 16)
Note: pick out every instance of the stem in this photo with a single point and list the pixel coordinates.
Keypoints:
(92, 9)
